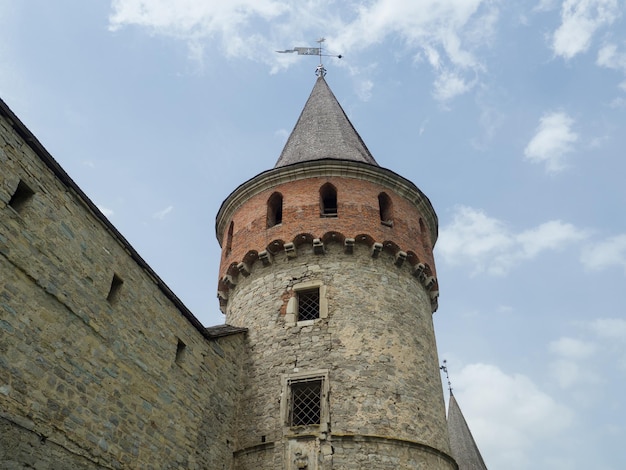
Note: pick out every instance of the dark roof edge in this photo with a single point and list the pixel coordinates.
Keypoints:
(60, 173)
(219, 331)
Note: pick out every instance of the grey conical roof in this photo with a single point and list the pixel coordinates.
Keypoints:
(323, 131)
(462, 444)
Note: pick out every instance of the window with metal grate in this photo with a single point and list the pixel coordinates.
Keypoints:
(306, 402)
(308, 304)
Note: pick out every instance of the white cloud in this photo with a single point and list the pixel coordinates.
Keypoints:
(162, 213)
(449, 85)
(577, 365)
(610, 328)
(548, 236)
(580, 19)
(487, 244)
(568, 373)
(364, 89)
(448, 33)
(619, 102)
(198, 21)
(546, 5)
(508, 414)
(552, 141)
(611, 335)
(610, 57)
(567, 368)
(610, 252)
(572, 348)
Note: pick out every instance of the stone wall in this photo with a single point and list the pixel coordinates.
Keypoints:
(377, 345)
(92, 376)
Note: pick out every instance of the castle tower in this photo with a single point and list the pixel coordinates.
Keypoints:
(327, 260)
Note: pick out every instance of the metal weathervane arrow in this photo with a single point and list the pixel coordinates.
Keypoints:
(318, 51)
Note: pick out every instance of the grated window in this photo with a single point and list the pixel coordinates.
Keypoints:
(306, 402)
(308, 304)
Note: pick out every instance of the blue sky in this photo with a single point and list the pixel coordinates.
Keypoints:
(510, 116)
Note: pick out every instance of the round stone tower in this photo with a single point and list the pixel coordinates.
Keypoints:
(327, 260)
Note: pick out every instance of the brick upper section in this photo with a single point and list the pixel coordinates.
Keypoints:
(358, 186)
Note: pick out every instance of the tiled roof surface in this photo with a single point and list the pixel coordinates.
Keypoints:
(323, 131)
(462, 444)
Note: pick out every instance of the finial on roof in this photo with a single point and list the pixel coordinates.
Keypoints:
(320, 70)
(444, 368)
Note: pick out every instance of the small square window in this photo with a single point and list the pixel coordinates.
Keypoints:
(309, 304)
(306, 403)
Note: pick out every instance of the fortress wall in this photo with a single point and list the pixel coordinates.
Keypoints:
(86, 381)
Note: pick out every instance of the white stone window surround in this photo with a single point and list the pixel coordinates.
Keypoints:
(286, 397)
(291, 316)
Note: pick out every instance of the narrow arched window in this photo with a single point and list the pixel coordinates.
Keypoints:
(275, 210)
(229, 238)
(424, 236)
(328, 201)
(385, 207)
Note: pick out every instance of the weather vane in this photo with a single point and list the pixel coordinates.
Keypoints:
(444, 368)
(320, 71)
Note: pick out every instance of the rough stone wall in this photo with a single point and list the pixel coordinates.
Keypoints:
(377, 344)
(87, 382)
(358, 213)
(384, 454)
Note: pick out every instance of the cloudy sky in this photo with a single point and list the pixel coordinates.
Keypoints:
(509, 115)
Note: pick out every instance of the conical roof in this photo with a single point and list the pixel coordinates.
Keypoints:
(323, 131)
(462, 444)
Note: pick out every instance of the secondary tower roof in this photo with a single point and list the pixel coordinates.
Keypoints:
(462, 444)
(323, 131)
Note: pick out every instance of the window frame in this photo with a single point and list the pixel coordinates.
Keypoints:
(291, 315)
(286, 407)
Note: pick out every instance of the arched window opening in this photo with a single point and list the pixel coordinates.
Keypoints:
(385, 207)
(229, 238)
(275, 210)
(328, 201)
(424, 235)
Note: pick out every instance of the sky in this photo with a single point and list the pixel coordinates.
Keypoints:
(509, 115)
